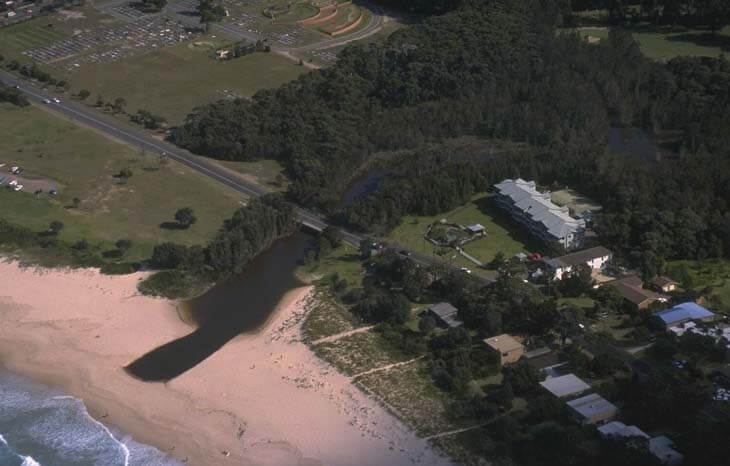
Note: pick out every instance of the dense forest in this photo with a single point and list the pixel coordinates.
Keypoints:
(498, 69)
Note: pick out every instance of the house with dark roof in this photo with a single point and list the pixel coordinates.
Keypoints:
(445, 314)
(631, 288)
(594, 258)
(538, 214)
(680, 314)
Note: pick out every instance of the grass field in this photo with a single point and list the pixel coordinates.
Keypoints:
(501, 235)
(267, 173)
(709, 277)
(173, 81)
(82, 164)
(664, 44)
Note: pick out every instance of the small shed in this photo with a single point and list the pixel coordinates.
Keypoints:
(664, 284)
(476, 229)
(445, 314)
(593, 408)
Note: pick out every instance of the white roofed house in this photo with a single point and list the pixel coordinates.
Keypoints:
(536, 212)
(594, 258)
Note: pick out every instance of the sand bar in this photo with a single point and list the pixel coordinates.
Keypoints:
(263, 399)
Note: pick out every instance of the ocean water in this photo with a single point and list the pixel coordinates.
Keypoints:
(42, 426)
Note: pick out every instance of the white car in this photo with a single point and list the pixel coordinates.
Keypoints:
(465, 270)
(55, 99)
(14, 169)
(13, 183)
(18, 188)
(46, 101)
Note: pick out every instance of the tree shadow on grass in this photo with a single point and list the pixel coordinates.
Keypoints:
(172, 226)
(112, 254)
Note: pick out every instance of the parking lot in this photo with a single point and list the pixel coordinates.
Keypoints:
(106, 45)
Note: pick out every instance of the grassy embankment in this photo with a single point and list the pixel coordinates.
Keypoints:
(82, 164)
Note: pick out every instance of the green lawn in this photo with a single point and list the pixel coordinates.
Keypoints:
(581, 302)
(81, 163)
(663, 44)
(173, 81)
(502, 235)
(709, 277)
(267, 173)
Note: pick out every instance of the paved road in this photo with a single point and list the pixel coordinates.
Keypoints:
(137, 137)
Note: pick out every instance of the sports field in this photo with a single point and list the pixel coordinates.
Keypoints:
(82, 164)
(664, 44)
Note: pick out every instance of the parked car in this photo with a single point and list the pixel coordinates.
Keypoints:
(13, 183)
(18, 187)
(55, 99)
(46, 101)
(465, 270)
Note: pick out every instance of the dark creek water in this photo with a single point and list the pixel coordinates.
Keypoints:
(636, 142)
(239, 305)
(361, 186)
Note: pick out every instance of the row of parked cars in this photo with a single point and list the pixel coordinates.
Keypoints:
(14, 185)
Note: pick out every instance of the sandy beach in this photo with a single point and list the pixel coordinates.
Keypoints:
(263, 399)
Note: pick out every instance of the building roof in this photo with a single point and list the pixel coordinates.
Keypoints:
(684, 311)
(476, 228)
(539, 207)
(503, 343)
(635, 294)
(619, 429)
(565, 385)
(661, 447)
(447, 313)
(590, 405)
(662, 281)
(580, 257)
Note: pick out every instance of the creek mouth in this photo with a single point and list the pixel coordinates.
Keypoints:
(239, 305)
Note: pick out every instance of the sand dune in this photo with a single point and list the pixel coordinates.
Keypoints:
(263, 399)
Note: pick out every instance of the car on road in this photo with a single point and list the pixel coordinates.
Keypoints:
(55, 99)
(18, 187)
(465, 270)
(46, 101)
